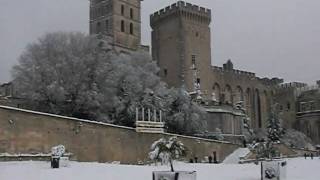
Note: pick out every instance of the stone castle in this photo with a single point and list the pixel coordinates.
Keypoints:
(181, 45)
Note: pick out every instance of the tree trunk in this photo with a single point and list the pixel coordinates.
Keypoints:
(171, 165)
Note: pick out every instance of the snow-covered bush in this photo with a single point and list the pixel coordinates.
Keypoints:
(296, 139)
(58, 151)
(167, 150)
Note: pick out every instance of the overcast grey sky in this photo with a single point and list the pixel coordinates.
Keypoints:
(269, 37)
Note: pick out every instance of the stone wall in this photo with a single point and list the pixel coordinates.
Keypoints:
(23, 131)
(286, 98)
(309, 124)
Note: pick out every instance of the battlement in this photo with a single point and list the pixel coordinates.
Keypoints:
(271, 82)
(183, 8)
(234, 71)
(292, 85)
(97, 2)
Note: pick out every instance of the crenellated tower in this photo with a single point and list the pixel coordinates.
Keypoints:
(181, 44)
(120, 20)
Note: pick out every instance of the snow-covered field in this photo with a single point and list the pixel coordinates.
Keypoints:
(298, 169)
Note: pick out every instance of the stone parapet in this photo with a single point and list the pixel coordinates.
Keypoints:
(234, 71)
(184, 8)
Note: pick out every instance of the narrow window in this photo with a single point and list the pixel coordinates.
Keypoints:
(193, 59)
(131, 13)
(107, 26)
(98, 27)
(122, 26)
(131, 28)
(198, 80)
(281, 108)
(122, 10)
(165, 71)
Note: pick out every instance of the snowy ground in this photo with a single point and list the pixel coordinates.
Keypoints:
(298, 169)
(234, 158)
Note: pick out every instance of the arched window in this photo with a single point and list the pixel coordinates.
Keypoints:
(131, 13)
(122, 26)
(131, 28)
(228, 95)
(216, 92)
(239, 94)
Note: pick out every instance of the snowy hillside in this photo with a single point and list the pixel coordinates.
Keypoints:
(298, 169)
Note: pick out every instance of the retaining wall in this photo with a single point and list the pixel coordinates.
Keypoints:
(28, 132)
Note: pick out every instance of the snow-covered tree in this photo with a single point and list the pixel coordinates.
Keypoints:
(184, 115)
(167, 150)
(78, 75)
(275, 131)
(266, 149)
(247, 131)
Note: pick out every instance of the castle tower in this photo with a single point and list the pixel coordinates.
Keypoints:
(181, 44)
(120, 20)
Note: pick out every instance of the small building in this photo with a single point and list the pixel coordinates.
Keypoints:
(308, 114)
(9, 96)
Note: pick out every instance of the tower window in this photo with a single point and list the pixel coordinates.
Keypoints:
(131, 13)
(122, 10)
(281, 108)
(131, 28)
(165, 71)
(193, 59)
(107, 26)
(288, 106)
(122, 26)
(98, 27)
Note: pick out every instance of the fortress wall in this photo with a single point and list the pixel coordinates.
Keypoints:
(242, 85)
(24, 131)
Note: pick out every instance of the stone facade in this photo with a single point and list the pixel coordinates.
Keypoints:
(299, 106)
(308, 114)
(118, 19)
(181, 40)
